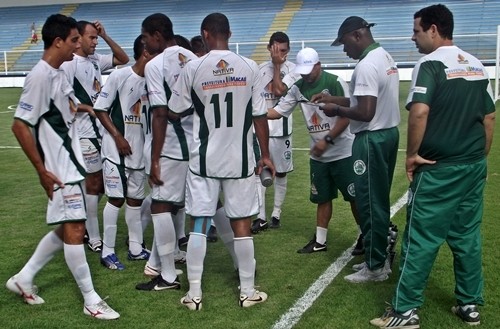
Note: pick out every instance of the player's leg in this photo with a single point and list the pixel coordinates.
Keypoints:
(225, 231)
(136, 180)
(281, 155)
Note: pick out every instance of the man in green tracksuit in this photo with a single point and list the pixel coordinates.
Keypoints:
(450, 130)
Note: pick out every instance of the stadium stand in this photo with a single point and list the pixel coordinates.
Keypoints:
(312, 23)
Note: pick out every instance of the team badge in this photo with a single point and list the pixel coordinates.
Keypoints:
(287, 155)
(359, 167)
(351, 190)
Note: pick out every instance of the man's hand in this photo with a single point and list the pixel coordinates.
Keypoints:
(154, 174)
(330, 109)
(100, 29)
(319, 148)
(413, 162)
(48, 180)
(265, 162)
(276, 57)
(122, 145)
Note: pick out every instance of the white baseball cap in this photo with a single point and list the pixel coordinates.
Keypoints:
(306, 59)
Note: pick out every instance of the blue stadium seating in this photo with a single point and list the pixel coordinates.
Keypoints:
(314, 25)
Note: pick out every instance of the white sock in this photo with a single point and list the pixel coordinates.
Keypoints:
(154, 258)
(109, 219)
(133, 220)
(92, 223)
(164, 235)
(261, 194)
(196, 250)
(225, 232)
(321, 234)
(280, 184)
(146, 212)
(77, 264)
(244, 249)
(48, 246)
(180, 223)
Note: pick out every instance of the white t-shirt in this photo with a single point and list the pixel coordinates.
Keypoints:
(161, 73)
(281, 127)
(124, 97)
(48, 104)
(377, 75)
(223, 87)
(84, 74)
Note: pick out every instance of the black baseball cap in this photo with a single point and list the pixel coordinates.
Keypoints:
(350, 24)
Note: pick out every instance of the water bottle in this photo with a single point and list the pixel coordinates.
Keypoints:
(266, 177)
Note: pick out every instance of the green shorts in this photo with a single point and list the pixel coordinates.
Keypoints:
(329, 177)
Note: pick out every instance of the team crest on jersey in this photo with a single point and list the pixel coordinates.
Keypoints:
(223, 68)
(183, 60)
(287, 155)
(351, 190)
(359, 167)
(462, 60)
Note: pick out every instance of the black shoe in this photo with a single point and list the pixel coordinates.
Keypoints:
(312, 246)
(468, 313)
(259, 225)
(183, 241)
(95, 246)
(392, 319)
(275, 222)
(86, 237)
(158, 284)
(212, 234)
(359, 249)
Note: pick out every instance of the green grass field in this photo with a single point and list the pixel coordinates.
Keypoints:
(281, 272)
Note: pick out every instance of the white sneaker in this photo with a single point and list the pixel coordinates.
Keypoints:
(258, 297)
(360, 266)
(29, 294)
(194, 304)
(101, 311)
(367, 275)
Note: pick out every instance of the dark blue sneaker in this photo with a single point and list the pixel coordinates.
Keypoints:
(112, 262)
(143, 255)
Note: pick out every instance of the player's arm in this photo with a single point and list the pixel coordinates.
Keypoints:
(363, 111)
(322, 145)
(120, 57)
(121, 143)
(324, 98)
(26, 139)
(272, 114)
(489, 125)
(86, 109)
(159, 127)
(417, 123)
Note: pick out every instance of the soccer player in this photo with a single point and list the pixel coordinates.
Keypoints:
(280, 131)
(169, 150)
(225, 91)
(374, 119)
(119, 108)
(84, 73)
(450, 131)
(331, 141)
(48, 107)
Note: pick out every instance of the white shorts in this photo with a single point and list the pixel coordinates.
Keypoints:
(173, 174)
(91, 149)
(121, 182)
(67, 205)
(240, 196)
(280, 149)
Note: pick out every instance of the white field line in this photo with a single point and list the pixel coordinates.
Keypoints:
(293, 315)
(10, 147)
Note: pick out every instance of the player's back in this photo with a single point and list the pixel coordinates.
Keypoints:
(224, 85)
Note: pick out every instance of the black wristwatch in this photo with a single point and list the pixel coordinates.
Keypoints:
(329, 139)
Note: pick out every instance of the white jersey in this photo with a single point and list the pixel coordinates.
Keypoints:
(84, 74)
(48, 104)
(376, 75)
(281, 127)
(123, 97)
(223, 87)
(161, 74)
(317, 123)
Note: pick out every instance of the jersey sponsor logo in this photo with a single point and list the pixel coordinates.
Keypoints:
(359, 167)
(316, 124)
(469, 71)
(391, 70)
(104, 94)
(419, 90)
(135, 117)
(183, 60)
(268, 95)
(223, 68)
(228, 81)
(26, 106)
(462, 60)
(73, 201)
